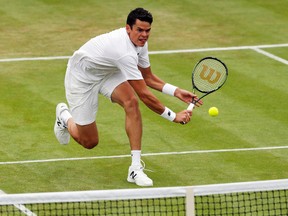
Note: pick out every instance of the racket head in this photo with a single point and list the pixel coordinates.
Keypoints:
(209, 74)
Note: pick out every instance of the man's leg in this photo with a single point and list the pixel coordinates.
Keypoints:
(86, 135)
(124, 95)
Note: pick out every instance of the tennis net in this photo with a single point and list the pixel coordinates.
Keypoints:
(247, 198)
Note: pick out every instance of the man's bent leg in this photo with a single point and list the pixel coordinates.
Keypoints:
(85, 135)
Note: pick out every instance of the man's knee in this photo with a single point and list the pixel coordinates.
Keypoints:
(89, 143)
(88, 135)
(131, 104)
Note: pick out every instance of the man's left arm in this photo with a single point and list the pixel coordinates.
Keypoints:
(156, 83)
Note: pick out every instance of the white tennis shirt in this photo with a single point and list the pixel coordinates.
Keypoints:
(113, 52)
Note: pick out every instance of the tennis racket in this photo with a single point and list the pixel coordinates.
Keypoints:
(208, 75)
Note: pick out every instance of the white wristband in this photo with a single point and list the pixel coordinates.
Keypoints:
(169, 89)
(168, 114)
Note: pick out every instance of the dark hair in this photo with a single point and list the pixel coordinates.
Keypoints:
(141, 14)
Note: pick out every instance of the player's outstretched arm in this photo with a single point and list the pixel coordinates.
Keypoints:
(152, 102)
(156, 83)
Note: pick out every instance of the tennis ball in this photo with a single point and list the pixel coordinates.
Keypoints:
(213, 111)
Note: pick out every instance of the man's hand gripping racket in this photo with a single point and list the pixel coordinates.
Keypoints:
(208, 75)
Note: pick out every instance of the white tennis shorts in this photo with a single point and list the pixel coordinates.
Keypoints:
(83, 83)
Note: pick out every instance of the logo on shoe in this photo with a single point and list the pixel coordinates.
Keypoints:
(59, 122)
(133, 175)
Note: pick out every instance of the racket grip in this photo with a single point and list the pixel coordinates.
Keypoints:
(190, 107)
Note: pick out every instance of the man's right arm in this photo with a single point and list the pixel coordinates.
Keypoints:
(152, 102)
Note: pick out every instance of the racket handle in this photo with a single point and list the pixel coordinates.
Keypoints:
(190, 107)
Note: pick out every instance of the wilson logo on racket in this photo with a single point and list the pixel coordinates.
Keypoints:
(209, 76)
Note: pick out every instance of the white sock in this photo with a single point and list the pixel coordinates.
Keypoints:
(65, 115)
(136, 156)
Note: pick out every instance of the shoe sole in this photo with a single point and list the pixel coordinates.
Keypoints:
(130, 180)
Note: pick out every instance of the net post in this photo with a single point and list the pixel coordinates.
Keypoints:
(190, 201)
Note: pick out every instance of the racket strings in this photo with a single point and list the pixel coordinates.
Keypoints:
(209, 75)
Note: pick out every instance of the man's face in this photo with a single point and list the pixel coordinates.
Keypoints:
(139, 33)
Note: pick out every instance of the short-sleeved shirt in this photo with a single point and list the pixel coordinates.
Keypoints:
(114, 51)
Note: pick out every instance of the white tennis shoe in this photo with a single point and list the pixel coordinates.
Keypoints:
(60, 128)
(137, 176)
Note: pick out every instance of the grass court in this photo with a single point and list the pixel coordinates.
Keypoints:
(247, 142)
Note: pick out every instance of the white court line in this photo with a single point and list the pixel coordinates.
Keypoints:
(218, 49)
(146, 155)
(34, 58)
(21, 207)
(159, 52)
(270, 55)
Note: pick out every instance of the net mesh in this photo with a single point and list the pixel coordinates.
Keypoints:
(157, 206)
(209, 75)
(163, 206)
(269, 203)
(265, 198)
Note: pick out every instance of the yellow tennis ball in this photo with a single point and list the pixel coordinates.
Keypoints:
(213, 111)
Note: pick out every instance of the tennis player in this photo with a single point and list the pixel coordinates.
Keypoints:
(116, 65)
